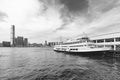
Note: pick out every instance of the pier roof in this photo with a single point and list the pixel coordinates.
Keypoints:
(105, 36)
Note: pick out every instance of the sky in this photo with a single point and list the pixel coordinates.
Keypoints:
(51, 20)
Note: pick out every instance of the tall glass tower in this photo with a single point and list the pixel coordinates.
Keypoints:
(13, 35)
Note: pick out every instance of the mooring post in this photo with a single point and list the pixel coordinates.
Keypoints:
(114, 44)
(114, 47)
(104, 42)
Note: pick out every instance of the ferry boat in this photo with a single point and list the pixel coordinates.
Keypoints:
(81, 45)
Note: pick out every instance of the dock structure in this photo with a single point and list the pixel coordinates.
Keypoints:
(111, 39)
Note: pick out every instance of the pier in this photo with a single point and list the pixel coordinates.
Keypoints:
(111, 39)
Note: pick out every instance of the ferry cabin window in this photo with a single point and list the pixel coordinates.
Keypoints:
(90, 41)
(64, 46)
(107, 45)
(91, 45)
(78, 46)
(74, 49)
(71, 43)
(94, 41)
(100, 46)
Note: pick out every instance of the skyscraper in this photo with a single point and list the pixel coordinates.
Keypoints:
(19, 41)
(25, 42)
(13, 35)
(45, 43)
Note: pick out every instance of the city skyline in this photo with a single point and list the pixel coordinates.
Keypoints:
(41, 20)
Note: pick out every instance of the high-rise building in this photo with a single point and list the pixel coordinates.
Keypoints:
(25, 42)
(45, 43)
(54, 43)
(19, 41)
(13, 35)
(6, 44)
(0, 44)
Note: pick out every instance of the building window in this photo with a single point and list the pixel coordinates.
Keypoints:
(109, 40)
(100, 41)
(118, 39)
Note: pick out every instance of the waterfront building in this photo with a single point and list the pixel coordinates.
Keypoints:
(54, 43)
(35, 45)
(13, 35)
(25, 42)
(0, 44)
(19, 41)
(6, 44)
(46, 43)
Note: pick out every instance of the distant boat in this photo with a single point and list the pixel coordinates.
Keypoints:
(81, 45)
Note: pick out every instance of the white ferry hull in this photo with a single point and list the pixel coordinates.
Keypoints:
(90, 50)
(89, 53)
(98, 51)
(85, 51)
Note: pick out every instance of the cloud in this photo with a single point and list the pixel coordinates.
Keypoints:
(2, 16)
(41, 20)
(75, 5)
(100, 15)
(19, 10)
(108, 23)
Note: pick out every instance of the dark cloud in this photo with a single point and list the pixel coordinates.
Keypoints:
(71, 5)
(76, 5)
(70, 10)
(73, 8)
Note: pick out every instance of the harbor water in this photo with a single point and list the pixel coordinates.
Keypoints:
(45, 64)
